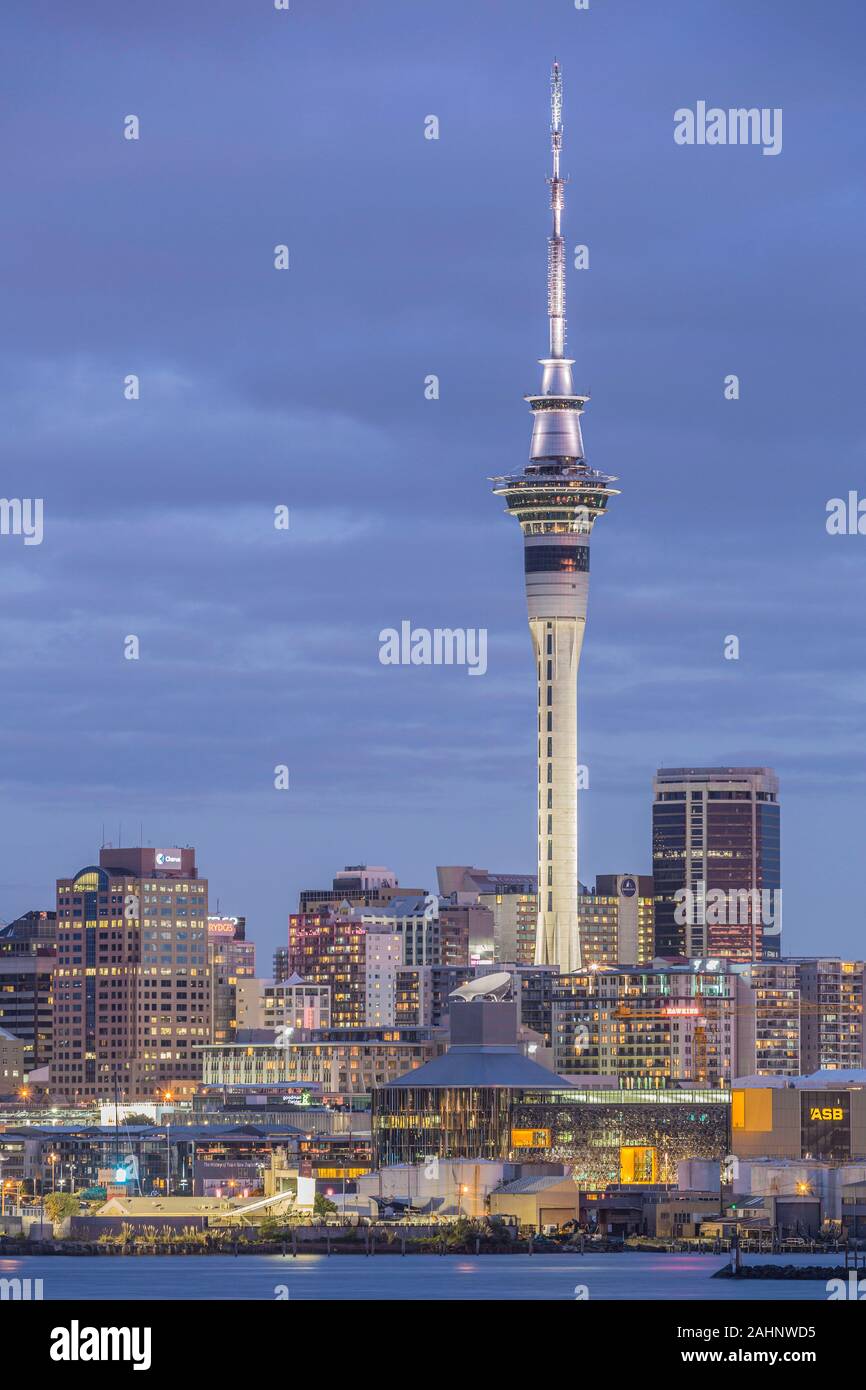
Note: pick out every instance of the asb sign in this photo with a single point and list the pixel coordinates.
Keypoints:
(826, 1126)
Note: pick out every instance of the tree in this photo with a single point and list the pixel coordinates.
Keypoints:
(270, 1227)
(322, 1206)
(59, 1205)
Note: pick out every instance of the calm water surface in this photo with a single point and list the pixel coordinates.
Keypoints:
(417, 1277)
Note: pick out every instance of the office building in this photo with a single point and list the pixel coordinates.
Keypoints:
(821, 1116)
(12, 1064)
(358, 954)
(132, 1006)
(716, 866)
(28, 955)
(433, 931)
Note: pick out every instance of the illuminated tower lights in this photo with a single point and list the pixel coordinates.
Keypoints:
(556, 499)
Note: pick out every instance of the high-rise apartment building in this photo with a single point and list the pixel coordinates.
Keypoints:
(231, 958)
(28, 955)
(616, 920)
(292, 1005)
(433, 931)
(328, 948)
(648, 1027)
(831, 1002)
(557, 499)
(768, 1018)
(512, 899)
(716, 865)
(132, 1004)
(359, 885)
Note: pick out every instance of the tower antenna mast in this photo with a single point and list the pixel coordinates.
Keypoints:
(556, 242)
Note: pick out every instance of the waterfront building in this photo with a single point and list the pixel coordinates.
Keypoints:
(557, 499)
(820, 1117)
(716, 864)
(484, 1100)
(337, 1063)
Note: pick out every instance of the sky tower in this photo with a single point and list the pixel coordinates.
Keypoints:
(556, 499)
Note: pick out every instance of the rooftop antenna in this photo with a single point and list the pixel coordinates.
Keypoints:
(556, 242)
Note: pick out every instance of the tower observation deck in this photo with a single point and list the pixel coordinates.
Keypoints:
(557, 499)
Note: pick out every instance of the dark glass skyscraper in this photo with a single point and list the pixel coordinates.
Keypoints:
(716, 862)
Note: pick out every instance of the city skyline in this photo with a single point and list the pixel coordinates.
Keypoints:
(164, 269)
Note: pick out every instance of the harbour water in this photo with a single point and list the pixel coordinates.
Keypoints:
(670, 1278)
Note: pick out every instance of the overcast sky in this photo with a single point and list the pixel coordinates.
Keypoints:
(306, 388)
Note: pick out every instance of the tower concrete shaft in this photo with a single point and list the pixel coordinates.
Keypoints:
(557, 499)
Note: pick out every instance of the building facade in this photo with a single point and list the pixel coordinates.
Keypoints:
(132, 1007)
(768, 1018)
(831, 995)
(231, 958)
(648, 1027)
(512, 899)
(281, 1005)
(616, 920)
(716, 862)
(28, 956)
(337, 1063)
